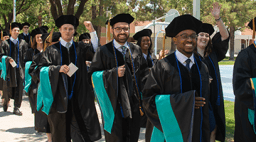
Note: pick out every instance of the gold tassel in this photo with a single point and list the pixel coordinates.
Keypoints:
(2, 35)
(253, 25)
(108, 32)
(49, 39)
(141, 112)
(252, 84)
(163, 47)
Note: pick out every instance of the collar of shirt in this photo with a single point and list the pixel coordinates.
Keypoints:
(64, 43)
(182, 58)
(25, 34)
(12, 39)
(145, 55)
(118, 46)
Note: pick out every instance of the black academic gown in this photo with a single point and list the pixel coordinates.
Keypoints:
(244, 69)
(26, 38)
(41, 123)
(124, 129)
(75, 118)
(145, 67)
(14, 87)
(218, 53)
(164, 79)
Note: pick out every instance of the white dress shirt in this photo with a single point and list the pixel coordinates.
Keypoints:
(25, 34)
(182, 58)
(14, 40)
(94, 40)
(118, 46)
(64, 43)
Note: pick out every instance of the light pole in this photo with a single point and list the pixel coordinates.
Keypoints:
(196, 9)
(14, 10)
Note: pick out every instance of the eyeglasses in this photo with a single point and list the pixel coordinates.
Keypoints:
(185, 36)
(26, 27)
(119, 29)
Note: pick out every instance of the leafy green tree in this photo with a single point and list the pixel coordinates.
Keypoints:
(6, 11)
(235, 14)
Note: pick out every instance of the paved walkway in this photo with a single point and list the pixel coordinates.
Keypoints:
(15, 128)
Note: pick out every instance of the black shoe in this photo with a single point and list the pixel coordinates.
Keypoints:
(17, 111)
(5, 108)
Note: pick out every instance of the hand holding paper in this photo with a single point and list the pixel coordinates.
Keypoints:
(13, 63)
(72, 69)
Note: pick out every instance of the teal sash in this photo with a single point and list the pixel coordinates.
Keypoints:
(28, 78)
(103, 99)
(0, 66)
(169, 123)
(4, 70)
(44, 94)
(251, 113)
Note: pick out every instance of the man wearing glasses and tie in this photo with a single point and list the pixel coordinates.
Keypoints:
(114, 71)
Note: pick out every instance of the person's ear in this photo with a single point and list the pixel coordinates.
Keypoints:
(174, 40)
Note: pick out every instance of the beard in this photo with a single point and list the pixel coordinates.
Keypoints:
(120, 40)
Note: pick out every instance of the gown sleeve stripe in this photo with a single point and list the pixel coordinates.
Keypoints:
(4, 70)
(103, 99)
(28, 78)
(44, 94)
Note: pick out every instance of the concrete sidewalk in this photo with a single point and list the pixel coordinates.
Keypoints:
(15, 128)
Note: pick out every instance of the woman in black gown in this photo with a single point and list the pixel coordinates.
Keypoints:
(211, 51)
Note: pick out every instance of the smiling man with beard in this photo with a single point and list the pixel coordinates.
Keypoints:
(114, 70)
(175, 96)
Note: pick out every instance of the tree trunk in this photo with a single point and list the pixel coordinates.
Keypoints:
(80, 9)
(232, 43)
(39, 20)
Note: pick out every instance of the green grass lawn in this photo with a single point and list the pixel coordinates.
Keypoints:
(226, 61)
(230, 120)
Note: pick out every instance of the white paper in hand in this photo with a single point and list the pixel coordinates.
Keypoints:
(13, 64)
(72, 69)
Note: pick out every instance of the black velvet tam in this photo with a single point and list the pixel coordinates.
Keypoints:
(25, 24)
(207, 28)
(84, 36)
(181, 23)
(142, 33)
(39, 30)
(67, 19)
(250, 24)
(127, 18)
(15, 25)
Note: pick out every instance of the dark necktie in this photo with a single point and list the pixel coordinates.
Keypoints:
(123, 51)
(187, 64)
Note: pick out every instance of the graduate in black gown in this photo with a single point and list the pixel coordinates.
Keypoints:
(4, 36)
(144, 41)
(25, 35)
(14, 50)
(176, 93)
(37, 47)
(67, 99)
(115, 76)
(40, 121)
(244, 83)
(211, 51)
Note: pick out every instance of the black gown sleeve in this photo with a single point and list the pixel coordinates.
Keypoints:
(219, 46)
(241, 78)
